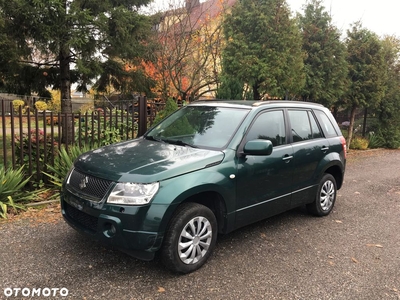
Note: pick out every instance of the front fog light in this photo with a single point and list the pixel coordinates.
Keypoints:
(133, 193)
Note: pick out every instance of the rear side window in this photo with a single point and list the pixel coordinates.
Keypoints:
(327, 126)
(269, 126)
(303, 125)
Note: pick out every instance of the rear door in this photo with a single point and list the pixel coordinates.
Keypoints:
(309, 149)
(264, 182)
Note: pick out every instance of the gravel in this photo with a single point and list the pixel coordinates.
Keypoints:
(354, 253)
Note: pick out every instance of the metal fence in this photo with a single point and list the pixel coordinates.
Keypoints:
(32, 138)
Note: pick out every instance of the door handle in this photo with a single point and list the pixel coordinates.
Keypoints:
(324, 148)
(287, 158)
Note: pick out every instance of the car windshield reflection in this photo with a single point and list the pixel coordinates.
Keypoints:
(199, 127)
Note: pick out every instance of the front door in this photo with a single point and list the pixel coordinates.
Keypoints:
(264, 182)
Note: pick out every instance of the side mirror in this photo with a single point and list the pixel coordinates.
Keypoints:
(258, 147)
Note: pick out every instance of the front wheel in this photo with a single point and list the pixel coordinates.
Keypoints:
(325, 198)
(190, 238)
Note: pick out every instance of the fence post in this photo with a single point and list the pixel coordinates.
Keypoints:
(142, 116)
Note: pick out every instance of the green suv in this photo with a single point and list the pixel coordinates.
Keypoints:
(208, 169)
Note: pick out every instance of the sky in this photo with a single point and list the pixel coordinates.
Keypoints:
(379, 16)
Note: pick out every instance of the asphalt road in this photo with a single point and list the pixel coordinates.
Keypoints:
(354, 253)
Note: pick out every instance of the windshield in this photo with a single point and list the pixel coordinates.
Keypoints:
(199, 126)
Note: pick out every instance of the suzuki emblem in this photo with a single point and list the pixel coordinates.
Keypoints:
(82, 185)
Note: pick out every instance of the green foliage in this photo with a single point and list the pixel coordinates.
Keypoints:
(367, 71)
(108, 133)
(359, 143)
(230, 88)
(63, 163)
(170, 107)
(391, 135)
(71, 34)
(388, 111)
(366, 68)
(36, 149)
(375, 140)
(12, 183)
(17, 103)
(263, 48)
(325, 63)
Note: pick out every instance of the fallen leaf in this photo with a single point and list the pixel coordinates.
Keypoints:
(331, 263)
(161, 289)
(354, 260)
(338, 221)
(375, 245)
(263, 235)
(357, 193)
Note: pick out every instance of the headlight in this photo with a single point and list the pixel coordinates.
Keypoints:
(133, 193)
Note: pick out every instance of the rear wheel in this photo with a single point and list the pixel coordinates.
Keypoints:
(325, 198)
(190, 238)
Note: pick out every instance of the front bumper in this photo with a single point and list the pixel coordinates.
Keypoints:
(131, 229)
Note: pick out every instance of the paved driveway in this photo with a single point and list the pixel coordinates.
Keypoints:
(354, 253)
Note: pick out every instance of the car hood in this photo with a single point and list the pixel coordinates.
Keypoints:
(145, 161)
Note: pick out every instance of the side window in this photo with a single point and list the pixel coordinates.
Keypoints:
(269, 126)
(301, 129)
(316, 132)
(325, 123)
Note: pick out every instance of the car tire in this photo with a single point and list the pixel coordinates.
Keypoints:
(190, 238)
(325, 198)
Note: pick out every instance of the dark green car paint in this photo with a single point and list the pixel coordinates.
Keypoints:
(242, 183)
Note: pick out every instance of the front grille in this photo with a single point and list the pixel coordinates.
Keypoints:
(88, 185)
(83, 219)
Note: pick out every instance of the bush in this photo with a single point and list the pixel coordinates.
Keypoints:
(108, 133)
(375, 140)
(359, 143)
(12, 182)
(41, 105)
(17, 103)
(34, 146)
(63, 163)
(391, 135)
(170, 107)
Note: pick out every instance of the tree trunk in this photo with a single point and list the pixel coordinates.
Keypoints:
(365, 122)
(66, 104)
(256, 92)
(351, 125)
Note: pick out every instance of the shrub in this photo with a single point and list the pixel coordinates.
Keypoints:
(63, 163)
(376, 140)
(17, 103)
(108, 133)
(391, 136)
(170, 107)
(359, 143)
(33, 147)
(12, 182)
(40, 105)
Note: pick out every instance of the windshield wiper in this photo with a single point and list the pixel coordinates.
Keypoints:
(179, 143)
(152, 138)
(169, 141)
